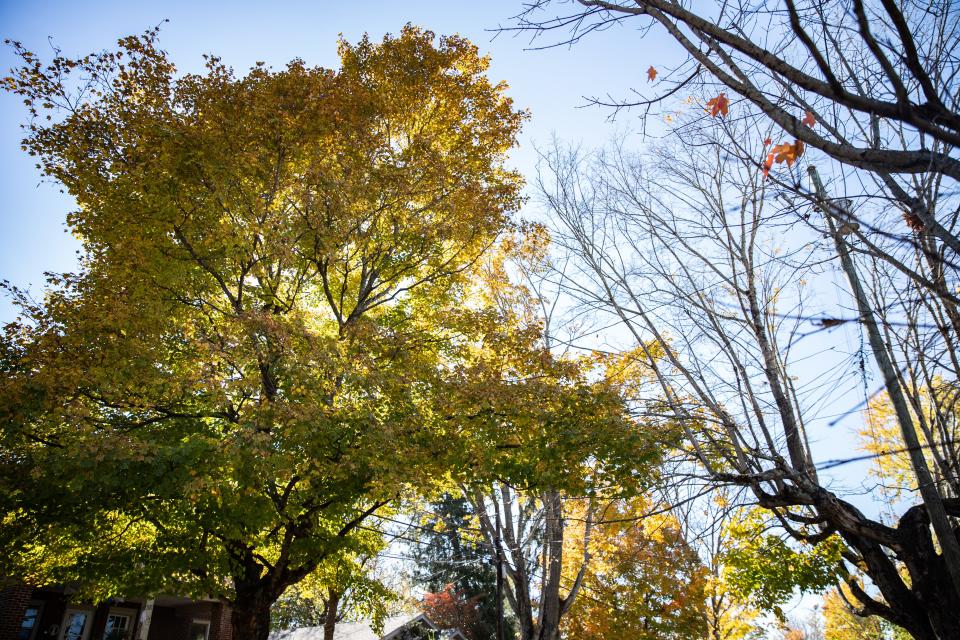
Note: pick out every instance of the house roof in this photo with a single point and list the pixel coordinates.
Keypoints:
(363, 631)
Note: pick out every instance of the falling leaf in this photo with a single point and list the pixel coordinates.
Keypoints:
(719, 105)
(808, 119)
(828, 323)
(651, 74)
(784, 152)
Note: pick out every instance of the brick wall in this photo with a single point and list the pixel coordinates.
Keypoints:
(13, 603)
(221, 627)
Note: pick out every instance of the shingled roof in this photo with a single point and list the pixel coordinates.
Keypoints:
(393, 627)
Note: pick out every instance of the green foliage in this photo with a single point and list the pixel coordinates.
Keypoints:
(277, 328)
(275, 265)
(763, 567)
(359, 595)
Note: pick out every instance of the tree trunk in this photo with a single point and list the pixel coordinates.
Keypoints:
(550, 598)
(924, 605)
(929, 576)
(928, 488)
(251, 615)
(256, 591)
(331, 614)
(524, 612)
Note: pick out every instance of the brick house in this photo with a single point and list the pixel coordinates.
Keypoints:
(47, 614)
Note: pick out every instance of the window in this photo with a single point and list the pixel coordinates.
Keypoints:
(119, 625)
(76, 624)
(30, 622)
(199, 629)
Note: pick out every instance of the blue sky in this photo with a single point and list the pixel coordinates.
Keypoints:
(550, 83)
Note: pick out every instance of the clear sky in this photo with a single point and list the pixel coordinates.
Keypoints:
(550, 83)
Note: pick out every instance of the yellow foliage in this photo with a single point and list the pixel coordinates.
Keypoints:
(881, 435)
(642, 580)
(842, 624)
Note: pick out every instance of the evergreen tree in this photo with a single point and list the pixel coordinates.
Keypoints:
(451, 557)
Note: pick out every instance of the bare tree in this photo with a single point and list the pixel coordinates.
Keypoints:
(525, 530)
(692, 251)
(879, 78)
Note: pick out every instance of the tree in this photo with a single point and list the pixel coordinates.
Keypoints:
(450, 608)
(691, 248)
(555, 428)
(934, 408)
(870, 87)
(729, 615)
(450, 551)
(643, 581)
(840, 623)
(764, 567)
(869, 93)
(340, 588)
(273, 273)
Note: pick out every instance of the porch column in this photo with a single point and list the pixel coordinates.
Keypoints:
(146, 614)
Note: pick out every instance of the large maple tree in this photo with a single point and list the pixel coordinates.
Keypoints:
(242, 370)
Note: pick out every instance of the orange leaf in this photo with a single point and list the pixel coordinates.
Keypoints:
(786, 152)
(718, 106)
(783, 152)
(651, 74)
(767, 164)
(808, 119)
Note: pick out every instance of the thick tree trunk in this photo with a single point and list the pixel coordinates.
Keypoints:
(926, 604)
(525, 619)
(935, 602)
(251, 616)
(256, 591)
(331, 614)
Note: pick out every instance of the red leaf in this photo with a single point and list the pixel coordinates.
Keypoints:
(719, 105)
(651, 74)
(913, 221)
(808, 119)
